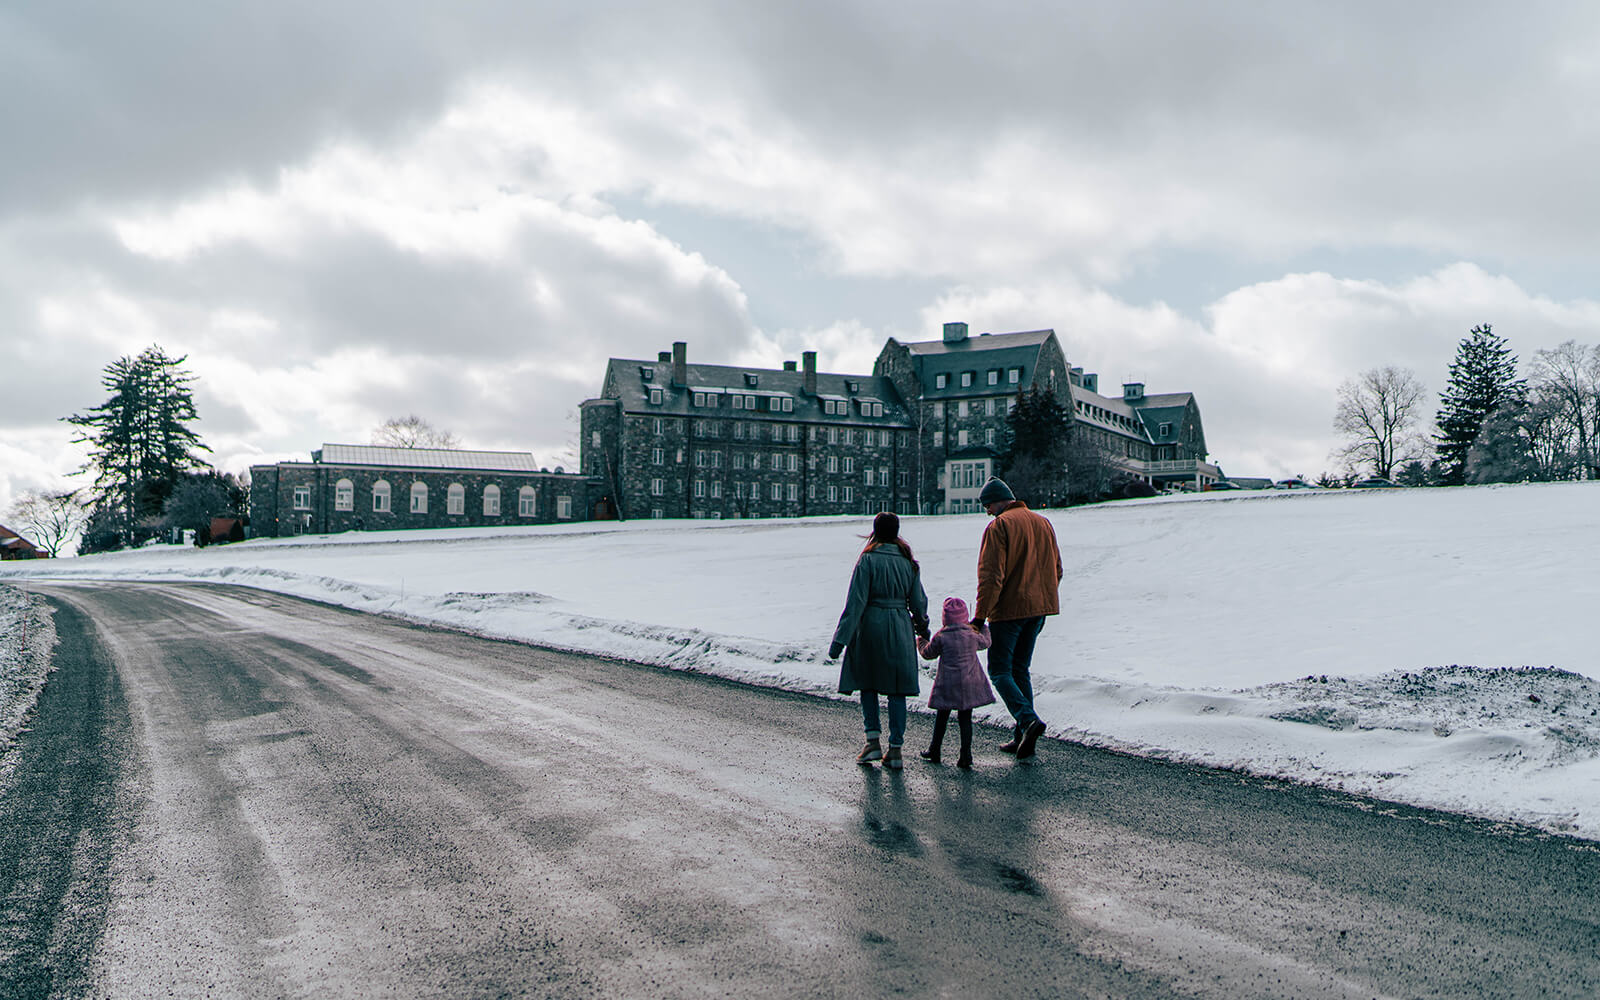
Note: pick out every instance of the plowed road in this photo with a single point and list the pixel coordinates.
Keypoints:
(227, 793)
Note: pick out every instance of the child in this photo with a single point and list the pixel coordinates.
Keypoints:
(961, 683)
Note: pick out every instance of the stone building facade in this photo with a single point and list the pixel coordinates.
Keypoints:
(674, 439)
(921, 434)
(360, 487)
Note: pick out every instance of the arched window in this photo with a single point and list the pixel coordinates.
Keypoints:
(527, 502)
(344, 495)
(491, 501)
(456, 499)
(419, 498)
(380, 497)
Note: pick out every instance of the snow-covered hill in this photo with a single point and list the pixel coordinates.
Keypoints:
(1436, 647)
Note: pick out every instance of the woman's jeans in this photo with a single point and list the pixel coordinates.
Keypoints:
(897, 716)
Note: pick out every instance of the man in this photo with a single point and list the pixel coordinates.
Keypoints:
(1019, 582)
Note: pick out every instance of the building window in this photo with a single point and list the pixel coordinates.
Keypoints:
(699, 399)
(699, 489)
(988, 437)
(793, 462)
(738, 460)
(833, 435)
(302, 498)
(419, 498)
(938, 439)
(833, 463)
(527, 502)
(988, 407)
(849, 465)
(777, 461)
(1014, 375)
(903, 479)
(788, 404)
(1165, 430)
(833, 494)
(344, 495)
(738, 402)
(657, 456)
(656, 513)
(883, 474)
(938, 411)
(716, 490)
(961, 439)
(749, 402)
(655, 399)
(994, 376)
(491, 501)
(657, 487)
(594, 439)
(966, 379)
(849, 435)
(794, 492)
(755, 460)
(869, 475)
(961, 408)
(777, 491)
(456, 499)
(564, 508)
(849, 494)
(940, 381)
(657, 422)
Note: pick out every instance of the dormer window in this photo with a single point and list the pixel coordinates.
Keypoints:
(699, 399)
(788, 405)
(940, 381)
(994, 376)
(853, 386)
(1165, 430)
(966, 380)
(647, 373)
(655, 395)
(751, 379)
(1014, 375)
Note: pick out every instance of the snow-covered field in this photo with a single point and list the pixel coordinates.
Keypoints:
(1435, 647)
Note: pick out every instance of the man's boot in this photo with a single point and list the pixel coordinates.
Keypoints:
(1016, 741)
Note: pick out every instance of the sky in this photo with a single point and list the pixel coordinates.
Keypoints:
(1343, 638)
(345, 212)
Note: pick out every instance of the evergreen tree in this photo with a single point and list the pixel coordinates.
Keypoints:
(1034, 458)
(1483, 377)
(140, 440)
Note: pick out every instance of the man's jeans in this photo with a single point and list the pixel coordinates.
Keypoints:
(897, 716)
(1010, 656)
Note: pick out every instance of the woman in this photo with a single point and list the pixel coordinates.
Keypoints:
(885, 610)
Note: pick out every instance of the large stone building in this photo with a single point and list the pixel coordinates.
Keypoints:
(360, 487)
(921, 434)
(674, 439)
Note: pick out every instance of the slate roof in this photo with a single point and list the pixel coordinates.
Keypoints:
(425, 458)
(729, 380)
(1124, 418)
(977, 353)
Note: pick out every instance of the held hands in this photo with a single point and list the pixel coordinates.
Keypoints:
(978, 624)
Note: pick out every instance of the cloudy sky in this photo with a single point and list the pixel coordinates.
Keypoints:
(344, 211)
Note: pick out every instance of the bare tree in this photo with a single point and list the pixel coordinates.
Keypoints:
(411, 431)
(1568, 377)
(1378, 412)
(51, 519)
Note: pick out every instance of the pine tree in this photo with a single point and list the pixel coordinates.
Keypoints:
(1483, 377)
(1034, 457)
(140, 440)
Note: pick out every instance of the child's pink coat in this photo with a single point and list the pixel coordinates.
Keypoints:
(961, 682)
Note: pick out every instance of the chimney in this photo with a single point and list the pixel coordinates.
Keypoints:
(789, 366)
(1091, 381)
(1132, 391)
(680, 363)
(1075, 376)
(955, 333)
(808, 361)
(664, 357)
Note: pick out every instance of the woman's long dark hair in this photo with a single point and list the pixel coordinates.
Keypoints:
(886, 531)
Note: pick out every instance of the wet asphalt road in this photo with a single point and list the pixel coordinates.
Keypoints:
(231, 793)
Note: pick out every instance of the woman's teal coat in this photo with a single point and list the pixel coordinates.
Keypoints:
(876, 626)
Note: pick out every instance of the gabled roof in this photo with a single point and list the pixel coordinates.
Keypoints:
(425, 458)
(729, 380)
(1167, 408)
(979, 354)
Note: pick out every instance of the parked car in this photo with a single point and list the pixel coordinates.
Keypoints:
(1222, 484)
(1375, 483)
(1292, 484)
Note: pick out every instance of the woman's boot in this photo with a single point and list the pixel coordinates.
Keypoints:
(871, 751)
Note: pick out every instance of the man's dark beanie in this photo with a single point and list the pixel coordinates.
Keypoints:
(995, 491)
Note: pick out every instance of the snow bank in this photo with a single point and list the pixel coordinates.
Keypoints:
(27, 638)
